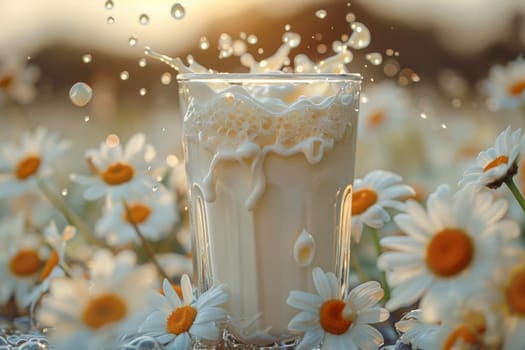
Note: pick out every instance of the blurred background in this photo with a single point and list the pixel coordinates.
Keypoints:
(438, 52)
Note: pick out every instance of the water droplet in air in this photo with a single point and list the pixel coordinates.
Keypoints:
(350, 17)
(143, 62)
(204, 44)
(109, 4)
(80, 94)
(360, 37)
(64, 192)
(142, 91)
(172, 160)
(321, 13)
(112, 140)
(87, 118)
(252, 39)
(287, 27)
(143, 19)
(178, 11)
(28, 58)
(86, 58)
(132, 41)
(375, 58)
(389, 52)
(124, 75)
(423, 116)
(155, 188)
(239, 47)
(291, 39)
(165, 78)
(110, 20)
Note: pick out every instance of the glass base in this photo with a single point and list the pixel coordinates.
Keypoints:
(229, 342)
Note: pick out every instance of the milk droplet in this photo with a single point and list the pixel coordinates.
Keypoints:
(142, 91)
(143, 19)
(143, 62)
(124, 75)
(204, 44)
(178, 11)
(374, 57)
(109, 4)
(350, 17)
(291, 39)
(80, 94)
(252, 39)
(132, 41)
(321, 13)
(360, 37)
(287, 27)
(239, 47)
(86, 58)
(304, 249)
(110, 20)
(87, 118)
(165, 78)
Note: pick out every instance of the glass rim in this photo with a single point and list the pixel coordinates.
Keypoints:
(269, 77)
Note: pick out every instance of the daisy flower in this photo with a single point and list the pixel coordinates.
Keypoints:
(17, 81)
(22, 256)
(450, 249)
(154, 215)
(378, 190)
(383, 106)
(176, 322)
(327, 320)
(22, 164)
(497, 164)
(96, 313)
(415, 332)
(506, 85)
(120, 173)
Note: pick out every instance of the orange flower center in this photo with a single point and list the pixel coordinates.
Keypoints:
(461, 335)
(377, 118)
(449, 252)
(103, 310)
(6, 81)
(362, 200)
(137, 213)
(25, 263)
(51, 262)
(117, 173)
(181, 320)
(517, 88)
(27, 167)
(496, 162)
(515, 292)
(331, 317)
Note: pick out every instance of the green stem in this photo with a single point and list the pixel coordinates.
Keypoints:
(356, 265)
(516, 192)
(150, 252)
(379, 251)
(69, 214)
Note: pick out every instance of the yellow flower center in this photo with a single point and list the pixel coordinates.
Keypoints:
(331, 317)
(449, 252)
(517, 88)
(181, 320)
(496, 162)
(515, 292)
(103, 310)
(377, 118)
(362, 200)
(137, 213)
(117, 173)
(51, 262)
(463, 334)
(27, 167)
(25, 263)
(6, 81)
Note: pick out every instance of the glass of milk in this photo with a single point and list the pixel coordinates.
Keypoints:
(270, 164)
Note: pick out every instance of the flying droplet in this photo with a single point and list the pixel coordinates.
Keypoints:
(360, 37)
(321, 13)
(178, 11)
(143, 19)
(64, 192)
(304, 249)
(287, 27)
(132, 41)
(142, 91)
(86, 58)
(165, 78)
(172, 160)
(155, 188)
(110, 20)
(143, 62)
(80, 94)
(204, 44)
(87, 118)
(291, 39)
(350, 17)
(252, 39)
(124, 75)
(112, 140)
(375, 58)
(109, 4)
